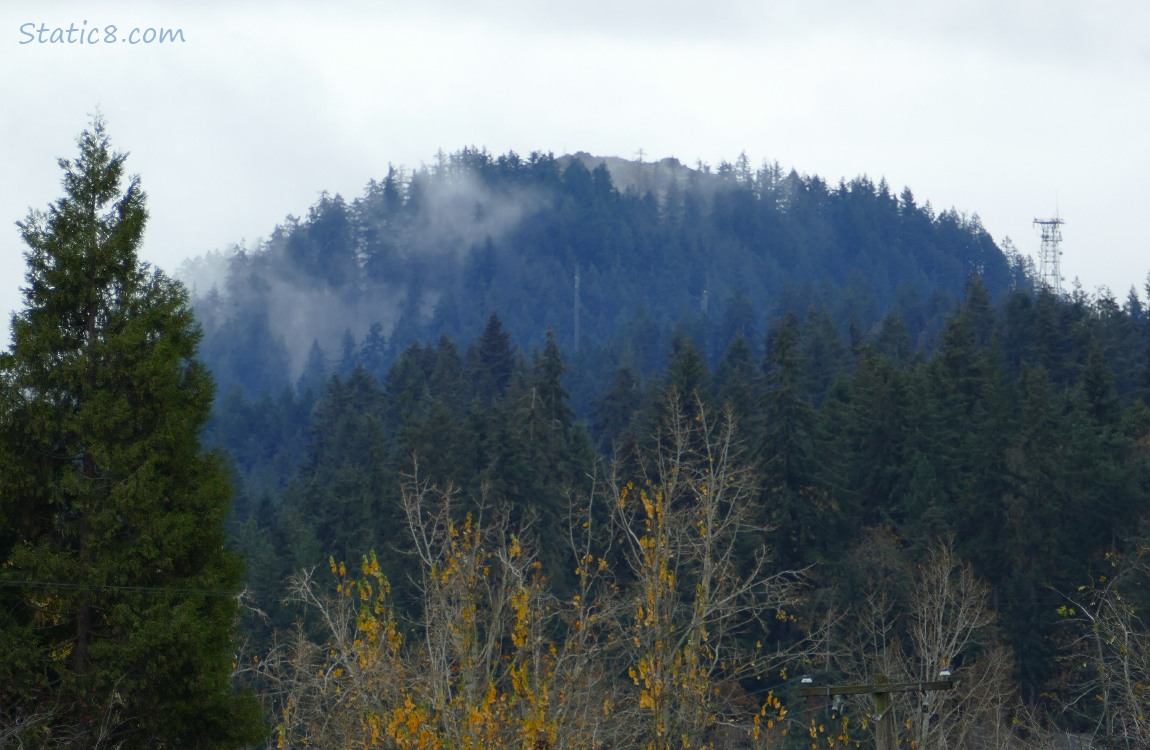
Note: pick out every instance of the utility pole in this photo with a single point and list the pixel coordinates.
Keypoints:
(577, 302)
(881, 688)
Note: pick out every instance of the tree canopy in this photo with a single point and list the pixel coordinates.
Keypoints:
(117, 598)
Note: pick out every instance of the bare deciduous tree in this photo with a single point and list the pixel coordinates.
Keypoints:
(681, 527)
(1110, 655)
(646, 652)
(945, 624)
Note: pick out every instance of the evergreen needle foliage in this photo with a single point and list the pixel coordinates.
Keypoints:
(117, 598)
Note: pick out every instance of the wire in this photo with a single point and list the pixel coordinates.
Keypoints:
(109, 587)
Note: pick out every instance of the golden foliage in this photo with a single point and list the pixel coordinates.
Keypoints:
(497, 660)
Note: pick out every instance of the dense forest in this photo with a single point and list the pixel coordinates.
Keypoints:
(522, 331)
(555, 243)
(569, 453)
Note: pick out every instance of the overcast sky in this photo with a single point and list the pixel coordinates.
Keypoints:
(1008, 109)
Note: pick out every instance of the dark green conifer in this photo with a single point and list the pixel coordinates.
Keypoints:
(118, 599)
(311, 380)
(549, 370)
(341, 486)
(736, 380)
(614, 413)
(801, 512)
(687, 374)
(491, 362)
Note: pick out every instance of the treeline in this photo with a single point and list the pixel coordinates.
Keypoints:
(652, 245)
(1022, 437)
(676, 630)
(856, 495)
(899, 386)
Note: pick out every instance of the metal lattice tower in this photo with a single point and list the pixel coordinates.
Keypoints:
(1049, 253)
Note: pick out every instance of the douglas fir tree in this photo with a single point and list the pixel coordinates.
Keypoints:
(117, 598)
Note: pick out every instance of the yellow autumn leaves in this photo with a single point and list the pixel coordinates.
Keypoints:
(498, 659)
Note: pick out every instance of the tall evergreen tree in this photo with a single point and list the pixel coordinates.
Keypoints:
(614, 412)
(874, 438)
(491, 362)
(688, 378)
(787, 448)
(549, 370)
(736, 378)
(972, 415)
(117, 600)
(340, 487)
(314, 375)
(373, 353)
(803, 513)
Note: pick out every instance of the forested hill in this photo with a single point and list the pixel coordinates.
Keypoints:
(897, 383)
(653, 246)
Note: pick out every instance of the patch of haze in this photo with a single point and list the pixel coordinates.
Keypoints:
(301, 316)
(460, 213)
(642, 176)
(205, 272)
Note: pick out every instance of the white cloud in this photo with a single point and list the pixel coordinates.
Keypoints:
(999, 108)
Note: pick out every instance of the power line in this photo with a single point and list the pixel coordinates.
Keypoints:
(881, 688)
(110, 587)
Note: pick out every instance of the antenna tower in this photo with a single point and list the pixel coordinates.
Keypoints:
(1049, 253)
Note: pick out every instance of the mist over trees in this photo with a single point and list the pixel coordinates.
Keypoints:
(569, 452)
(901, 389)
(436, 251)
